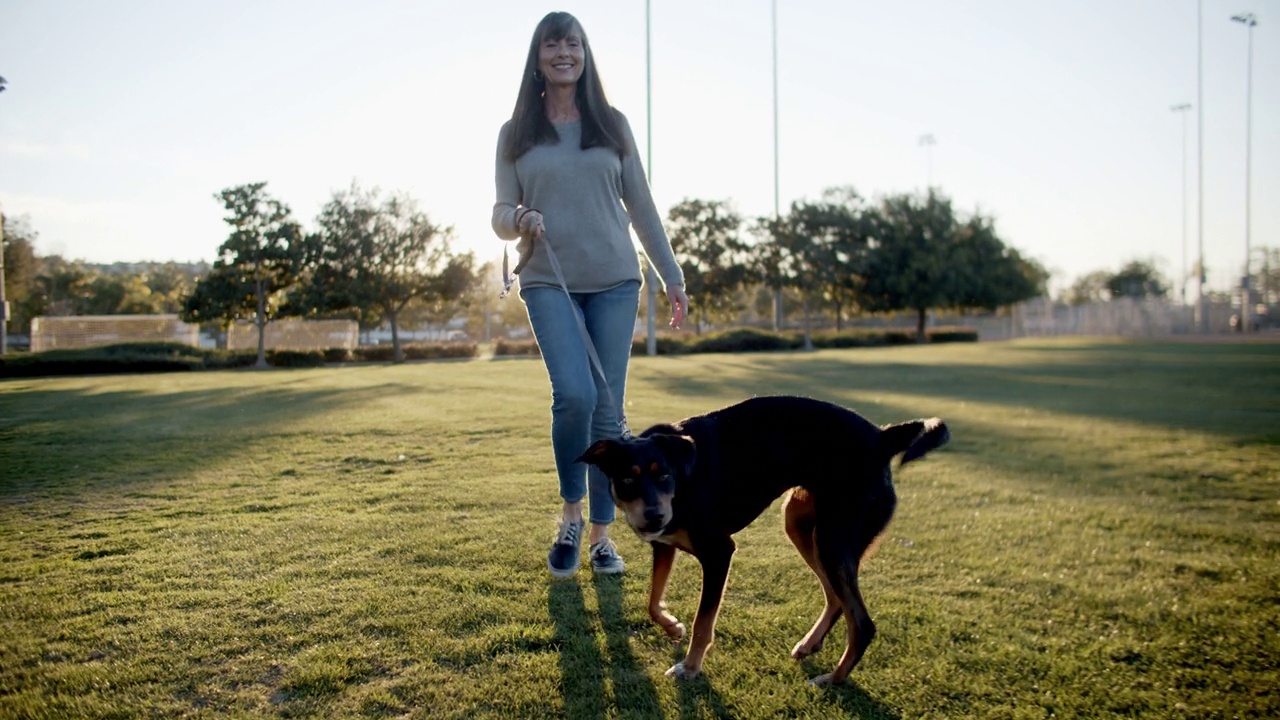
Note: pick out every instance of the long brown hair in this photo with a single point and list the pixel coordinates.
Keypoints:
(529, 122)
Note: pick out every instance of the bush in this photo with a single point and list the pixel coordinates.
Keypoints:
(516, 347)
(952, 334)
(666, 345)
(417, 351)
(338, 355)
(228, 359)
(374, 353)
(120, 358)
(295, 358)
(849, 338)
(745, 340)
(440, 351)
(176, 357)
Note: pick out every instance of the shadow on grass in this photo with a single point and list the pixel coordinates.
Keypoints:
(584, 667)
(110, 440)
(581, 663)
(632, 687)
(1219, 389)
(698, 698)
(1228, 391)
(857, 703)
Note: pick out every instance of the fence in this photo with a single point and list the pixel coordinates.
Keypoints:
(1125, 317)
(294, 334)
(49, 333)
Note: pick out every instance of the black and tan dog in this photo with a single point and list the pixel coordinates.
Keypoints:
(692, 485)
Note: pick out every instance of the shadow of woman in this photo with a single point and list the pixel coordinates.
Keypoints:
(632, 688)
(581, 665)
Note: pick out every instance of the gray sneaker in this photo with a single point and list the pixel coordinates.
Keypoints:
(563, 559)
(605, 559)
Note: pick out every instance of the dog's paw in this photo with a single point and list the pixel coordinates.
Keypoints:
(680, 672)
(675, 631)
(804, 649)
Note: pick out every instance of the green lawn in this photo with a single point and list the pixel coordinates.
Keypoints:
(1100, 538)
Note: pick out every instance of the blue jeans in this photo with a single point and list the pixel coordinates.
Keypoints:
(580, 409)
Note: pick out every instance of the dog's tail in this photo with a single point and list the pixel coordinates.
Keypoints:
(914, 438)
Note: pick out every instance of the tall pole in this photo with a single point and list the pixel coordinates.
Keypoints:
(1202, 308)
(4, 304)
(1246, 302)
(1182, 109)
(651, 276)
(777, 209)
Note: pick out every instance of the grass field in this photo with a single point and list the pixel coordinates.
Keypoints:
(1101, 538)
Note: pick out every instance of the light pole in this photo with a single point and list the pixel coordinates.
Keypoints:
(4, 304)
(1202, 308)
(927, 142)
(651, 275)
(1182, 109)
(776, 210)
(1246, 311)
(778, 315)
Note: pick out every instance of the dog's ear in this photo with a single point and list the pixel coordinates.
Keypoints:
(680, 451)
(913, 439)
(600, 453)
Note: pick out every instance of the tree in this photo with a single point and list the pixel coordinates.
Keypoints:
(986, 274)
(925, 258)
(767, 265)
(170, 283)
(1137, 280)
(120, 294)
(1089, 288)
(1265, 280)
(260, 260)
(64, 285)
(786, 254)
(373, 257)
(818, 249)
(21, 273)
(705, 238)
(840, 228)
(909, 268)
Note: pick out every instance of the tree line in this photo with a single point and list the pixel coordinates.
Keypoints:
(380, 260)
(905, 253)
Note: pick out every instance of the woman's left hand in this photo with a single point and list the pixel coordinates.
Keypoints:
(679, 305)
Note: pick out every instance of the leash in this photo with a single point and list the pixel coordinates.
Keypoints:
(508, 280)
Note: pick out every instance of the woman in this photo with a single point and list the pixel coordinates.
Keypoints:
(567, 166)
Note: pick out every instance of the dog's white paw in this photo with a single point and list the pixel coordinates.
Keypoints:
(803, 650)
(680, 672)
(675, 632)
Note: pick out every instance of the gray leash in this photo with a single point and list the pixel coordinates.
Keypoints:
(508, 280)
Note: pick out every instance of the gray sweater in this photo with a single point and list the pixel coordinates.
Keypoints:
(581, 195)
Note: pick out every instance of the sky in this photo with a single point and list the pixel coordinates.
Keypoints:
(122, 120)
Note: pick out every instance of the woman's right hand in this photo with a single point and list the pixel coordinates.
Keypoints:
(530, 225)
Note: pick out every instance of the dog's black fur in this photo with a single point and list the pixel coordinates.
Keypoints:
(693, 484)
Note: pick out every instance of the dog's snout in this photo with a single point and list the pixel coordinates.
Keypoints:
(653, 519)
